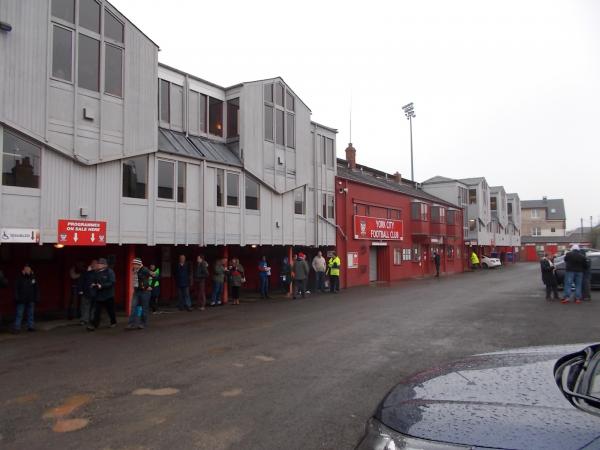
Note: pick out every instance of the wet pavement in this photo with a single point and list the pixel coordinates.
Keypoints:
(278, 374)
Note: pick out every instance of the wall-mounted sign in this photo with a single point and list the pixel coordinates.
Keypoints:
(19, 235)
(352, 260)
(81, 232)
(378, 229)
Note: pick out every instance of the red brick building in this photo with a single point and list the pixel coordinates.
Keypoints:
(389, 230)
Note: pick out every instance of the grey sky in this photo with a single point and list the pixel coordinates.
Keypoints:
(509, 89)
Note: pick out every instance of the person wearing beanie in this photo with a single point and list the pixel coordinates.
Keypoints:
(142, 290)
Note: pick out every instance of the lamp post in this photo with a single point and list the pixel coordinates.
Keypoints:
(409, 112)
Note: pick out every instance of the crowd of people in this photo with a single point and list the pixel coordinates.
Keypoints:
(577, 279)
(93, 286)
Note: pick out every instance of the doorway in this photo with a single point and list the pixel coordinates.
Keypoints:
(373, 273)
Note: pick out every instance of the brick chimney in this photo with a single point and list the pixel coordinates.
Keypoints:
(351, 156)
(398, 178)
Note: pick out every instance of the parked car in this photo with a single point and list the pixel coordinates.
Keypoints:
(561, 257)
(594, 257)
(489, 263)
(531, 398)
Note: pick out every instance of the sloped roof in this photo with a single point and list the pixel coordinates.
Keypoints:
(472, 181)
(438, 179)
(367, 178)
(555, 207)
(176, 143)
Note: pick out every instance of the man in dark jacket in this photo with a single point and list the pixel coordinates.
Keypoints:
(27, 294)
(301, 272)
(436, 262)
(87, 293)
(104, 294)
(549, 277)
(182, 281)
(200, 276)
(140, 302)
(575, 266)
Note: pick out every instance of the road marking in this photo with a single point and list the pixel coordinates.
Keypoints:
(240, 365)
(69, 425)
(232, 392)
(264, 358)
(156, 392)
(71, 404)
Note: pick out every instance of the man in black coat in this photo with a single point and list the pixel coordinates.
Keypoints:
(104, 294)
(575, 266)
(549, 277)
(27, 294)
(436, 261)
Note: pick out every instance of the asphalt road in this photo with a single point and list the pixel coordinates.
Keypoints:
(274, 375)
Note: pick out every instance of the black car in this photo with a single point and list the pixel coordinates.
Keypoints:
(594, 258)
(532, 398)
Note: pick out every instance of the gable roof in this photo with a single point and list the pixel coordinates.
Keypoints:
(555, 207)
(368, 177)
(438, 179)
(472, 181)
(177, 143)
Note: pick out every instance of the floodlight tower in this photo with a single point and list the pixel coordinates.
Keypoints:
(409, 112)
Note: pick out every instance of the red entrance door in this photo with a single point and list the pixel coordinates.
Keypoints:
(426, 260)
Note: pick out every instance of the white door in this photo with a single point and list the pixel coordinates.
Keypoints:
(373, 264)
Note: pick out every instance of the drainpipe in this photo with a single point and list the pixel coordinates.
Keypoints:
(316, 182)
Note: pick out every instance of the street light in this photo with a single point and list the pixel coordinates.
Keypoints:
(409, 112)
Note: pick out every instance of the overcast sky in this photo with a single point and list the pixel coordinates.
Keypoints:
(509, 90)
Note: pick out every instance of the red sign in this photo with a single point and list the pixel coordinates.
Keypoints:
(81, 232)
(378, 229)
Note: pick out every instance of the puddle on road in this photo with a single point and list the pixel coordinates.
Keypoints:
(232, 392)
(71, 404)
(161, 392)
(69, 425)
(264, 358)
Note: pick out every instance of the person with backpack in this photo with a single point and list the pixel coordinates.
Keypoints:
(140, 302)
(104, 294)
(27, 294)
(200, 276)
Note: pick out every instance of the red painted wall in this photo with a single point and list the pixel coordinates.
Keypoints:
(349, 193)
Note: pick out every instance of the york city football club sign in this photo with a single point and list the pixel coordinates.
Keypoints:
(81, 232)
(374, 228)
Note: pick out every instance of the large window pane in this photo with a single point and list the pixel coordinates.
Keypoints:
(215, 119)
(299, 201)
(203, 113)
(89, 15)
(220, 186)
(329, 152)
(64, 9)
(330, 207)
(113, 28)
(20, 162)
(181, 177)
(279, 94)
(289, 101)
(268, 123)
(62, 49)
(135, 177)
(324, 205)
(252, 194)
(279, 135)
(164, 101)
(291, 131)
(268, 93)
(166, 179)
(233, 108)
(89, 63)
(113, 71)
(233, 189)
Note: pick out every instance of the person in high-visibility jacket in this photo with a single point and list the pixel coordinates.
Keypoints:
(333, 267)
(474, 260)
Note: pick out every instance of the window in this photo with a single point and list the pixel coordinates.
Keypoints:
(291, 131)
(89, 63)
(553, 230)
(553, 210)
(268, 123)
(181, 181)
(493, 203)
(279, 136)
(536, 231)
(89, 15)
(451, 218)
(113, 70)
(472, 196)
(397, 256)
(215, 116)
(252, 194)
(535, 214)
(462, 195)
(394, 214)
(416, 254)
(324, 205)
(289, 101)
(64, 9)
(135, 177)
(279, 90)
(233, 108)
(437, 214)
(406, 254)
(328, 206)
(20, 162)
(329, 152)
(220, 186)
(595, 262)
(164, 101)
(233, 189)
(419, 211)
(268, 88)
(62, 49)
(166, 179)
(299, 200)
(472, 225)
(450, 252)
(509, 209)
(203, 100)
(113, 28)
